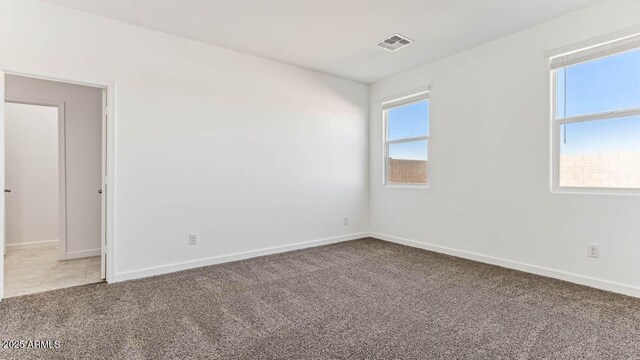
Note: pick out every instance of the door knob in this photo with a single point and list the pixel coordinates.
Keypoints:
(7, 190)
(99, 191)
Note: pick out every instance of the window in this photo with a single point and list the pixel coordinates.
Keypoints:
(596, 118)
(406, 141)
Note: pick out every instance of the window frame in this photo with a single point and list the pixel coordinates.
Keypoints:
(397, 103)
(556, 124)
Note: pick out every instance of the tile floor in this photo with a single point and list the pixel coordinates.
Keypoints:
(37, 269)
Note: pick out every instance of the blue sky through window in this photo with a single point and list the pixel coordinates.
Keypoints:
(405, 122)
(607, 84)
(415, 150)
(601, 136)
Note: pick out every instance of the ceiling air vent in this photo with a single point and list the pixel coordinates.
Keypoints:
(394, 42)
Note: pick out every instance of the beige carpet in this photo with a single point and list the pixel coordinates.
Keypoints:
(363, 299)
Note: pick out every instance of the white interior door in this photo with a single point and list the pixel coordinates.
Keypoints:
(104, 189)
(31, 174)
(2, 184)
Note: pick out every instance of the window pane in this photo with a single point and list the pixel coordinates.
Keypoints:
(409, 120)
(408, 163)
(604, 153)
(602, 85)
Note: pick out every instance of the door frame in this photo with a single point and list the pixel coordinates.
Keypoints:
(62, 167)
(108, 159)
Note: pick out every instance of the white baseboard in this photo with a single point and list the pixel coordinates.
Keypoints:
(32, 244)
(185, 265)
(510, 264)
(82, 254)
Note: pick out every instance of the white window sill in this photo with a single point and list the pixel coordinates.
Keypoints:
(594, 191)
(407, 186)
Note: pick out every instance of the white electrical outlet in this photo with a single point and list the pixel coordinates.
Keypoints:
(346, 221)
(193, 239)
(593, 251)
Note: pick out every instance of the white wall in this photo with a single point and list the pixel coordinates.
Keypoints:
(490, 192)
(31, 158)
(246, 152)
(83, 155)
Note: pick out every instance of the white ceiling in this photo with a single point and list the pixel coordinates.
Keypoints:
(336, 36)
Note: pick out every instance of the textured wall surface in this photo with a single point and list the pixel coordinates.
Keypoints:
(407, 171)
(617, 170)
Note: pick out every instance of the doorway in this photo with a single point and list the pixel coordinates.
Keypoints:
(54, 166)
